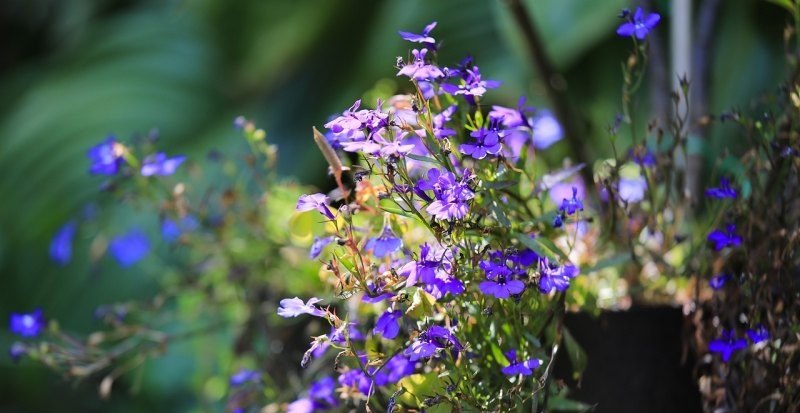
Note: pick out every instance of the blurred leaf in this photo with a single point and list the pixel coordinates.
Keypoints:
(542, 246)
(577, 356)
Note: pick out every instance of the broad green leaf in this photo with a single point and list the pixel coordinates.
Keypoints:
(542, 246)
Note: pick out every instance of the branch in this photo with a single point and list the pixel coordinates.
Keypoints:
(556, 87)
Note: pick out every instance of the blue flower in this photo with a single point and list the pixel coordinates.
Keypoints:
(322, 393)
(293, 307)
(385, 244)
(723, 191)
(394, 370)
(727, 238)
(726, 345)
(244, 376)
(487, 142)
(570, 206)
(554, 277)
(718, 281)
(423, 38)
(356, 379)
(318, 245)
(500, 282)
(17, 350)
(172, 230)
(27, 325)
(129, 248)
(758, 335)
(159, 164)
(524, 368)
(61, 244)
(388, 324)
(106, 157)
(430, 341)
(640, 25)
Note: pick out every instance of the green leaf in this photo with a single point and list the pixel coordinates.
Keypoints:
(576, 354)
(786, 4)
(542, 246)
(419, 387)
(421, 304)
(422, 158)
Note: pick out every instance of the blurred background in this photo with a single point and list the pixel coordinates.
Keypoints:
(73, 72)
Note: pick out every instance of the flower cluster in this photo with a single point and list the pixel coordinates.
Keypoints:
(430, 243)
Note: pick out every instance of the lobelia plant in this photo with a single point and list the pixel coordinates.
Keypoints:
(441, 266)
(450, 253)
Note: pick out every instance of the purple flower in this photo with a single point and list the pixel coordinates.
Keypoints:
(758, 335)
(318, 245)
(500, 282)
(27, 325)
(546, 130)
(322, 393)
(396, 368)
(356, 379)
(512, 118)
(430, 341)
(384, 244)
(314, 201)
(171, 230)
(524, 368)
(642, 156)
(159, 164)
(723, 191)
(570, 206)
(451, 195)
(388, 324)
(129, 248)
(639, 25)
(244, 376)
(418, 69)
(727, 238)
(304, 405)
(472, 85)
(633, 189)
(726, 345)
(17, 350)
(554, 277)
(440, 120)
(106, 157)
(61, 244)
(293, 307)
(718, 281)
(423, 38)
(487, 142)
